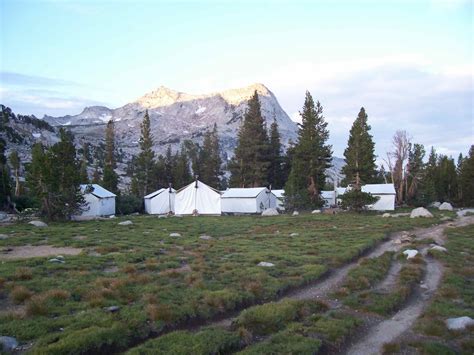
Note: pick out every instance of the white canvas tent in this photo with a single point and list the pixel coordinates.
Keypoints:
(160, 201)
(280, 202)
(247, 200)
(197, 198)
(386, 194)
(99, 201)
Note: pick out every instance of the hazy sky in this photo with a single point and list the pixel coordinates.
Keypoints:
(409, 63)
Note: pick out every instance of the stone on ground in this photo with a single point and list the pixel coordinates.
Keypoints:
(3, 236)
(420, 212)
(435, 204)
(205, 237)
(445, 206)
(265, 264)
(113, 309)
(316, 211)
(459, 323)
(410, 253)
(439, 248)
(175, 235)
(294, 234)
(386, 215)
(38, 223)
(125, 223)
(270, 212)
(295, 213)
(8, 344)
(56, 261)
(464, 212)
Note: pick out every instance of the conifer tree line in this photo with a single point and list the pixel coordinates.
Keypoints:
(54, 174)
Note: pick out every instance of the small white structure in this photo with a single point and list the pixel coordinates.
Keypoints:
(160, 201)
(197, 198)
(386, 194)
(329, 198)
(99, 201)
(247, 200)
(280, 199)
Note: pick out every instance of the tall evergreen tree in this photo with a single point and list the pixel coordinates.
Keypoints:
(249, 166)
(84, 176)
(359, 155)
(427, 187)
(466, 179)
(275, 171)
(415, 173)
(16, 164)
(311, 158)
(145, 161)
(210, 160)
(181, 173)
(446, 182)
(110, 179)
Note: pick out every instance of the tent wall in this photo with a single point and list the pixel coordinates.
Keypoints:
(257, 204)
(161, 203)
(385, 203)
(98, 206)
(203, 199)
(107, 206)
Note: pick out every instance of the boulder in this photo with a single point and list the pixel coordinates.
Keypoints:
(410, 253)
(316, 212)
(8, 344)
(38, 223)
(435, 204)
(294, 234)
(3, 236)
(445, 206)
(386, 215)
(420, 212)
(464, 212)
(175, 235)
(265, 264)
(205, 237)
(125, 223)
(56, 261)
(112, 216)
(295, 213)
(270, 212)
(459, 323)
(113, 309)
(439, 248)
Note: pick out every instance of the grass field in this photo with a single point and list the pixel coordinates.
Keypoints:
(159, 282)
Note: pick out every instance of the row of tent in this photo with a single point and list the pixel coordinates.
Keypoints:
(199, 198)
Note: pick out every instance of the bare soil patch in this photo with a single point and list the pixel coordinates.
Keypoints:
(33, 251)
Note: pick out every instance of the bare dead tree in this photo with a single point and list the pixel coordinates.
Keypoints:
(397, 163)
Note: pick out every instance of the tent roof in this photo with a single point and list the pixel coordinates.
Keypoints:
(243, 192)
(278, 193)
(327, 194)
(200, 184)
(97, 191)
(340, 190)
(157, 192)
(379, 188)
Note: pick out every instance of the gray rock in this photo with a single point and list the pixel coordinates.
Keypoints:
(439, 248)
(386, 215)
(445, 206)
(295, 213)
(294, 234)
(8, 344)
(316, 211)
(125, 223)
(270, 212)
(113, 309)
(205, 237)
(112, 216)
(175, 235)
(3, 236)
(265, 264)
(38, 223)
(162, 216)
(435, 204)
(459, 323)
(3, 216)
(56, 261)
(410, 253)
(420, 212)
(464, 212)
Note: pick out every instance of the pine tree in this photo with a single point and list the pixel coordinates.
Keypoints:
(181, 174)
(359, 155)
(466, 179)
(16, 164)
(311, 158)
(210, 159)
(110, 179)
(275, 171)
(145, 161)
(429, 179)
(415, 173)
(446, 182)
(249, 166)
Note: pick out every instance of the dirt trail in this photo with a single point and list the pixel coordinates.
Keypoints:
(386, 331)
(33, 251)
(390, 280)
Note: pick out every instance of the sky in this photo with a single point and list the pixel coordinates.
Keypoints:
(408, 63)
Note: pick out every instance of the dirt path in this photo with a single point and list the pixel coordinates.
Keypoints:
(388, 330)
(32, 251)
(390, 280)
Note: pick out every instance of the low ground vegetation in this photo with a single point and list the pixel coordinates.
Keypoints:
(134, 282)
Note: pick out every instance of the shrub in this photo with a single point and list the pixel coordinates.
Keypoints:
(128, 204)
(20, 294)
(23, 273)
(37, 306)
